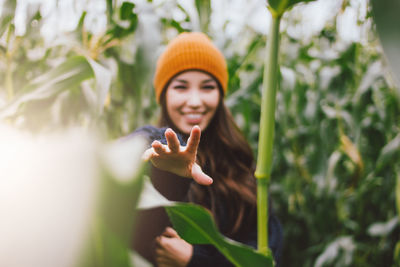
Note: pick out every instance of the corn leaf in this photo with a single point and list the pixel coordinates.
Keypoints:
(390, 151)
(387, 23)
(196, 226)
(278, 7)
(204, 11)
(121, 184)
(65, 76)
(7, 15)
(103, 83)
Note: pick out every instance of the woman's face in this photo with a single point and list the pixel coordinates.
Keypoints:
(192, 98)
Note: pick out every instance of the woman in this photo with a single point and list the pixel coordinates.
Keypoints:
(190, 83)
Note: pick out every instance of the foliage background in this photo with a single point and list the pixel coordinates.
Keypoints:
(90, 63)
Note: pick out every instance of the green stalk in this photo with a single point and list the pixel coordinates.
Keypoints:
(265, 141)
(398, 195)
(8, 80)
(9, 55)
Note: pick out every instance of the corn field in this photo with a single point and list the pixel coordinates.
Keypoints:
(336, 150)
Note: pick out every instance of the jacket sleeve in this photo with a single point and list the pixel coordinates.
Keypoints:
(208, 255)
(151, 133)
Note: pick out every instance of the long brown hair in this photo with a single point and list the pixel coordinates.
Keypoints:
(225, 155)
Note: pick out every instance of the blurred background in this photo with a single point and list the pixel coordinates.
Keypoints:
(89, 64)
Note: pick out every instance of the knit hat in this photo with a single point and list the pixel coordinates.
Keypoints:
(190, 51)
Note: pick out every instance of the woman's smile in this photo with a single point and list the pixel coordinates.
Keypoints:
(193, 118)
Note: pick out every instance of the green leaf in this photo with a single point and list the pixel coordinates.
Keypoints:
(105, 249)
(7, 14)
(390, 152)
(103, 83)
(278, 7)
(196, 226)
(126, 10)
(387, 23)
(121, 184)
(398, 196)
(126, 23)
(397, 252)
(65, 76)
(204, 11)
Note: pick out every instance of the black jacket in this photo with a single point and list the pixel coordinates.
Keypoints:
(152, 222)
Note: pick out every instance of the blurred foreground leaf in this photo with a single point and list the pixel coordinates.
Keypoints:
(121, 184)
(67, 199)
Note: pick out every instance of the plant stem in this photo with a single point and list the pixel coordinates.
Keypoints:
(9, 81)
(9, 55)
(265, 141)
(262, 215)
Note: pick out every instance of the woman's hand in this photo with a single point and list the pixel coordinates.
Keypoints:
(176, 158)
(171, 250)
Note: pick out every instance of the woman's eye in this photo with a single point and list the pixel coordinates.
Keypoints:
(179, 87)
(209, 87)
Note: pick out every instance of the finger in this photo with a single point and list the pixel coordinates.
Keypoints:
(170, 232)
(158, 147)
(194, 139)
(159, 252)
(161, 261)
(159, 241)
(199, 176)
(162, 241)
(172, 140)
(148, 154)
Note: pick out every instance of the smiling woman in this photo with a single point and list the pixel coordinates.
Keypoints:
(190, 83)
(192, 99)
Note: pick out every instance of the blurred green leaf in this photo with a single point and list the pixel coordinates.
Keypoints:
(398, 195)
(390, 151)
(337, 253)
(280, 6)
(386, 15)
(196, 226)
(103, 83)
(396, 255)
(204, 11)
(383, 229)
(7, 14)
(127, 22)
(121, 183)
(126, 10)
(65, 76)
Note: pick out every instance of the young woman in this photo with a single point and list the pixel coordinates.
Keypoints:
(190, 83)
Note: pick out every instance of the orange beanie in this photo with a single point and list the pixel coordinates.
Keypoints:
(190, 51)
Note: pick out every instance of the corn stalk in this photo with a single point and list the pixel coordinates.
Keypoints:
(267, 120)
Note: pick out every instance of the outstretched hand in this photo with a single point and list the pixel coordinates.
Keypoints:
(178, 159)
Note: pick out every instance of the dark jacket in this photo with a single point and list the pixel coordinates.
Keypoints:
(152, 222)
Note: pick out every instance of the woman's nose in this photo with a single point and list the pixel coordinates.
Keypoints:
(194, 99)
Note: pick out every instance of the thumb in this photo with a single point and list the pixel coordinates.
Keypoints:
(199, 176)
(148, 154)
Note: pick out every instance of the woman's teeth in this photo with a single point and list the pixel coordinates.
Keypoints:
(194, 116)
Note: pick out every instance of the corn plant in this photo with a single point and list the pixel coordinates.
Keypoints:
(386, 19)
(267, 120)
